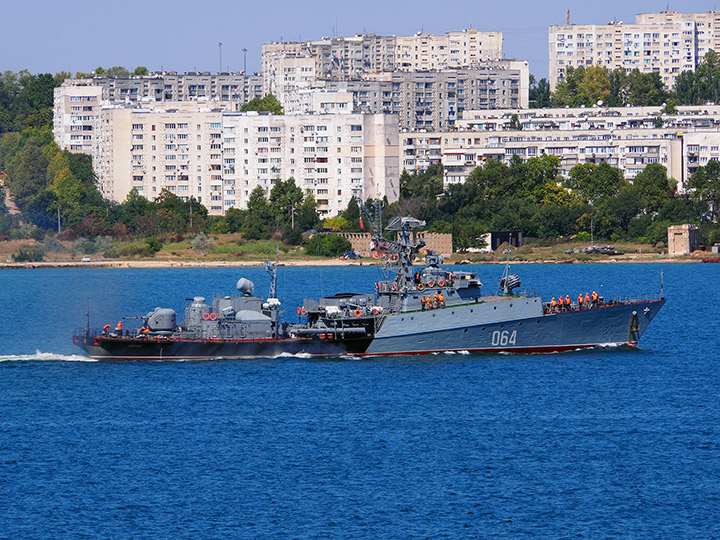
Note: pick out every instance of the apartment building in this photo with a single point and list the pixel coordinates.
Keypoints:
(151, 149)
(334, 157)
(626, 138)
(75, 108)
(173, 86)
(437, 99)
(77, 101)
(666, 43)
(220, 157)
(287, 74)
(350, 57)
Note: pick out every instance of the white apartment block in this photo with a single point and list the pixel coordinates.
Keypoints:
(220, 157)
(436, 99)
(154, 149)
(174, 86)
(77, 102)
(333, 157)
(349, 57)
(625, 138)
(75, 108)
(287, 74)
(666, 43)
(321, 101)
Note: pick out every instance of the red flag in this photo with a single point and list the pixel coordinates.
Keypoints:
(361, 223)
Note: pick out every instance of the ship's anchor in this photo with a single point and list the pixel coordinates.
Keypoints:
(634, 328)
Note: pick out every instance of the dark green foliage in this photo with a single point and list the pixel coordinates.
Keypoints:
(586, 86)
(539, 93)
(424, 184)
(702, 85)
(267, 104)
(29, 253)
(327, 245)
(153, 244)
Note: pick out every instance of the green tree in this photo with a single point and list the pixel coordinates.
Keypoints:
(705, 186)
(140, 71)
(327, 245)
(595, 85)
(654, 186)
(539, 95)
(269, 103)
(285, 198)
(117, 72)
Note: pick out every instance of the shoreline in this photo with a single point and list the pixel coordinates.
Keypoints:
(303, 263)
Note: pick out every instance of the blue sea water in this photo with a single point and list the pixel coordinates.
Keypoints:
(592, 444)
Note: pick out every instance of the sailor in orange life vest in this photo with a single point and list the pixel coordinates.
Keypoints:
(441, 300)
(587, 299)
(561, 307)
(580, 301)
(118, 328)
(106, 329)
(553, 304)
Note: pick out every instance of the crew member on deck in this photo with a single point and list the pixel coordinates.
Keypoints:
(441, 300)
(568, 304)
(422, 301)
(118, 328)
(553, 304)
(587, 299)
(106, 329)
(580, 301)
(561, 307)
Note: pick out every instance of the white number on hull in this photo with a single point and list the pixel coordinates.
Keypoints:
(504, 337)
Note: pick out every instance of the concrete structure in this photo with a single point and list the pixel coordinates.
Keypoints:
(360, 242)
(219, 157)
(76, 103)
(436, 100)
(683, 239)
(149, 150)
(439, 242)
(285, 74)
(666, 43)
(75, 108)
(172, 86)
(350, 57)
(625, 138)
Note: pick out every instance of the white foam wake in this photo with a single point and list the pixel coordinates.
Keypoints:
(45, 357)
(290, 355)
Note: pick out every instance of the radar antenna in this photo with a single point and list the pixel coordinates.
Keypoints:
(509, 281)
(271, 268)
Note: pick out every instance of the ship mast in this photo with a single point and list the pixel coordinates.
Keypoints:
(271, 268)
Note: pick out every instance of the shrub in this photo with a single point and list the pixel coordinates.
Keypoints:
(29, 253)
(327, 245)
(153, 244)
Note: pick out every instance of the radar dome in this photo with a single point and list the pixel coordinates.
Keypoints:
(245, 286)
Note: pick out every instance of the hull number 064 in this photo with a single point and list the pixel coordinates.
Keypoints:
(504, 337)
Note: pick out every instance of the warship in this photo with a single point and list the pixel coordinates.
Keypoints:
(416, 309)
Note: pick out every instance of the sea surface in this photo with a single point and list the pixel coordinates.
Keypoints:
(606, 443)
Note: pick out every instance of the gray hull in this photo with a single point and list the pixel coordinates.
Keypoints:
(517, 325)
